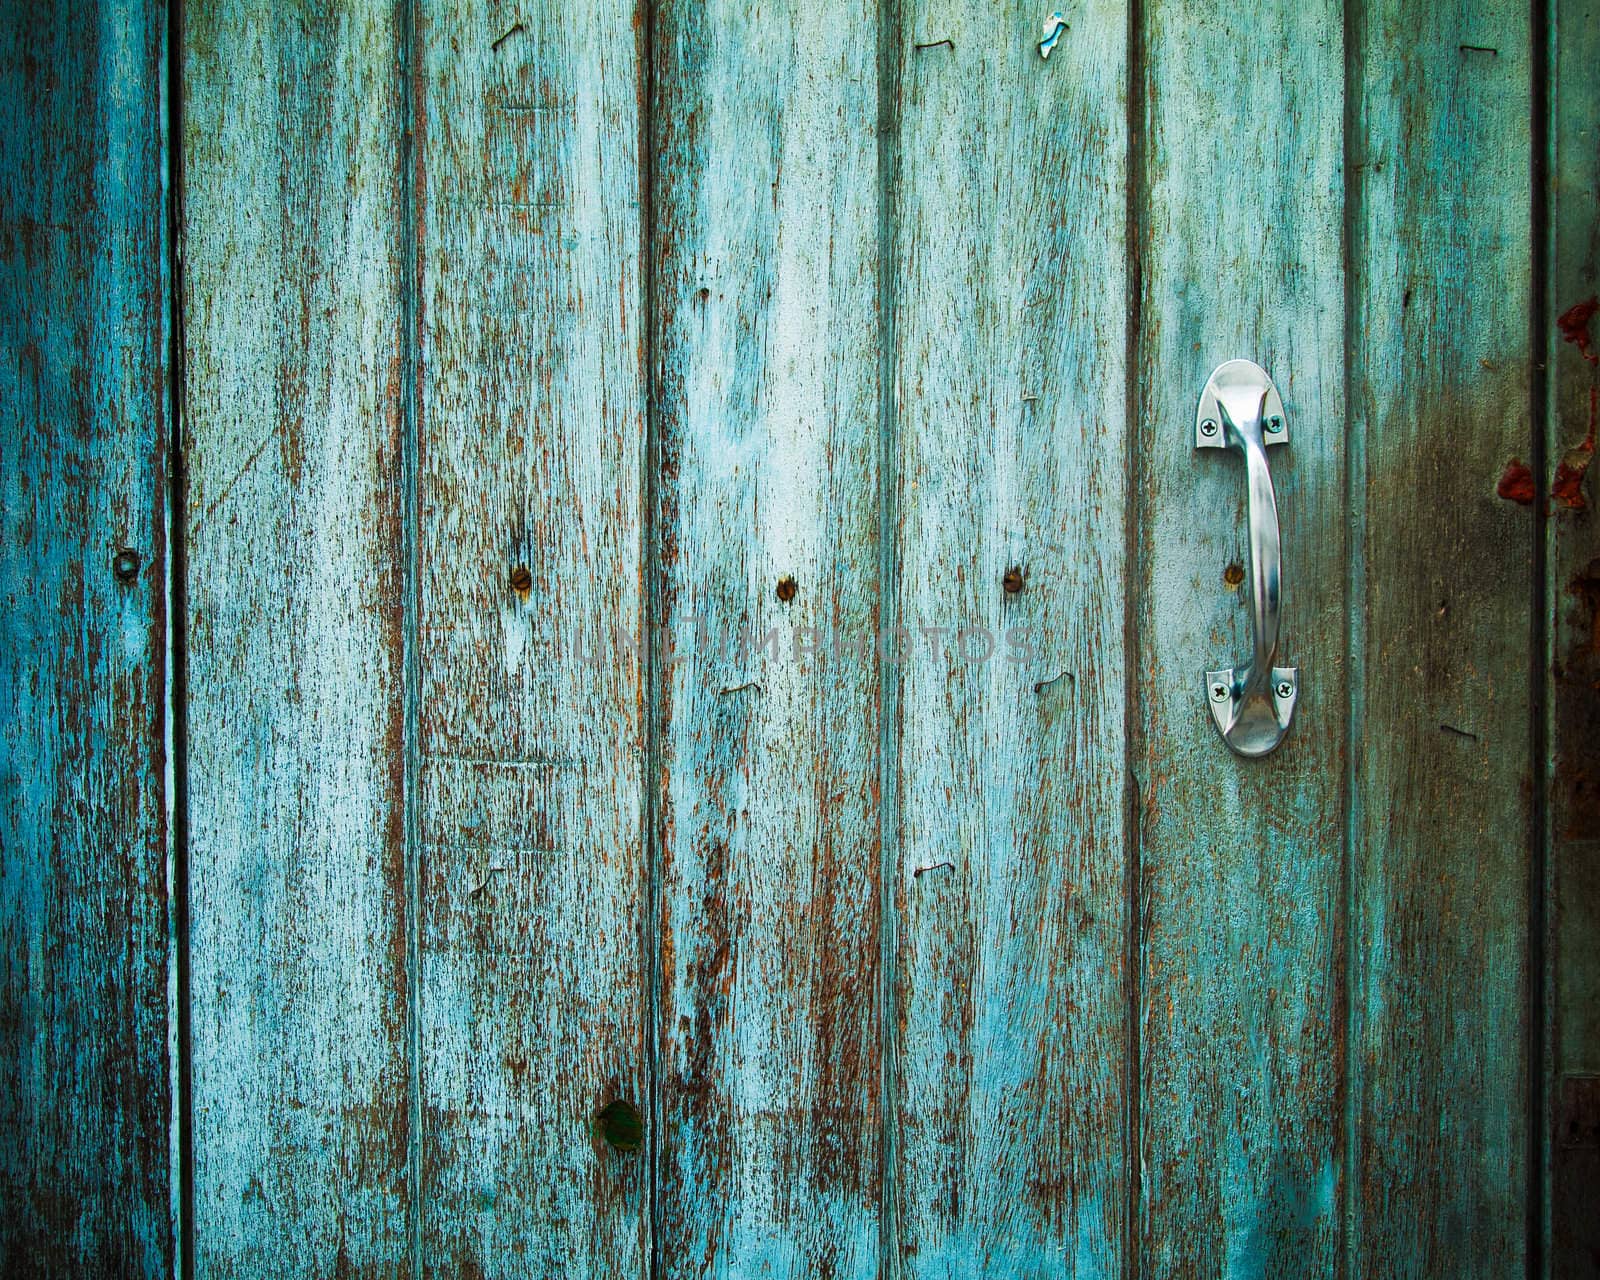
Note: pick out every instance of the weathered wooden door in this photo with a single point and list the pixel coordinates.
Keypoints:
(574, 567)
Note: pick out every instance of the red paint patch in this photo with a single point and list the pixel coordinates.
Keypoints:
(1516, 483)
(1574, 326)
(1567, 487)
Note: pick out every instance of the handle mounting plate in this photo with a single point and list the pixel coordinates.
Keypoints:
(1237, 385)
(1253, 725)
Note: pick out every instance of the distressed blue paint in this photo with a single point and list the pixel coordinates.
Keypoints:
(1010, 433)
(1242, 862)
(294, 256)
(767, 223)
(1440, 381)
(424, 925)
(530, 381)
(84, 1164)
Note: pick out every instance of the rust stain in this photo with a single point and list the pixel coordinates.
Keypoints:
(1014, 581)
(841, 1013)
(1585, 587)
(1574, 326)
(787, 588)
(1516, 483)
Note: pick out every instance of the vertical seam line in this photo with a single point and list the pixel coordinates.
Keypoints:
(1133, 602)
(411, 534)
(888, 23)
(177, 660)
(1541, 168)
(1355, 631)
(650, 603)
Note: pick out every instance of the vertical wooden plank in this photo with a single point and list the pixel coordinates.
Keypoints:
(1242, 860)
(83, 887)
(1010, 291)
(294, 252)
(1572, 1088)
(767, 525)
(1440, 391)
(531, 427)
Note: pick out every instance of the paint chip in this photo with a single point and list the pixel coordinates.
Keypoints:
(1054, 25)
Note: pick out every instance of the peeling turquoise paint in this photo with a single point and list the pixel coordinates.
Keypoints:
(501, 327)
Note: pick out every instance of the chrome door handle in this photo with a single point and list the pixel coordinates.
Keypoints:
(1241, 410)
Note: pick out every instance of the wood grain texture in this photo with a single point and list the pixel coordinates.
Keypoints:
(1010, 292)
(1440, 390)
(437, 258)
(84, 1166)
(531, 435)
(1572, 1086)
(766, 305)
(294, 257)
(1242, 860)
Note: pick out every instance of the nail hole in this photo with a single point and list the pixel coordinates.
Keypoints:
(521, 580)
(1013, 582)
(1233, 575)
(787, 587)
(125, 564)
(621, 1125)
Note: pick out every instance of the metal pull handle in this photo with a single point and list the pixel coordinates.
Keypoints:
(1241, 410)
